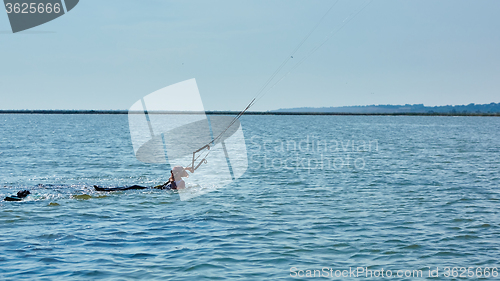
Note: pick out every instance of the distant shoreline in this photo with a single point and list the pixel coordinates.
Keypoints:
(471, 109)
(123, 112)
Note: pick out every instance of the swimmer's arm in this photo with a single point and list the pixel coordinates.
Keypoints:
(159, 186)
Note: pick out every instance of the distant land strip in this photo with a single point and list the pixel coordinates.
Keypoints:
(118, 112)
(469, 109)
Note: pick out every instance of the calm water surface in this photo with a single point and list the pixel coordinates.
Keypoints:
(398, 193)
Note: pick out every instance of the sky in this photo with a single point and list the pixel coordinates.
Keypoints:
(109, 54)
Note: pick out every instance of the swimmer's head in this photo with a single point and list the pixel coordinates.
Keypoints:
(178, 172)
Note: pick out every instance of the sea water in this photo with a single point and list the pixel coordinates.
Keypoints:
(332, 196)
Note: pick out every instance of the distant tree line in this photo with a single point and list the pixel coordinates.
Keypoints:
(491, 108)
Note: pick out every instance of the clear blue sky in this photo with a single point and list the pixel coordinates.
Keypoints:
(108, 54)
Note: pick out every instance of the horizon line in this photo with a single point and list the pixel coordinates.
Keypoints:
(230, 112)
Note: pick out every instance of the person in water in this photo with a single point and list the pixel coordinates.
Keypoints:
(174, 182)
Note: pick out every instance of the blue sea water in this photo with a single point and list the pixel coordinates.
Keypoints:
(335, 192)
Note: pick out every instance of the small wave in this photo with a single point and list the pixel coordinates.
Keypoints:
(412, 247)
(142, 256)
(203, 266)
(50, 260)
